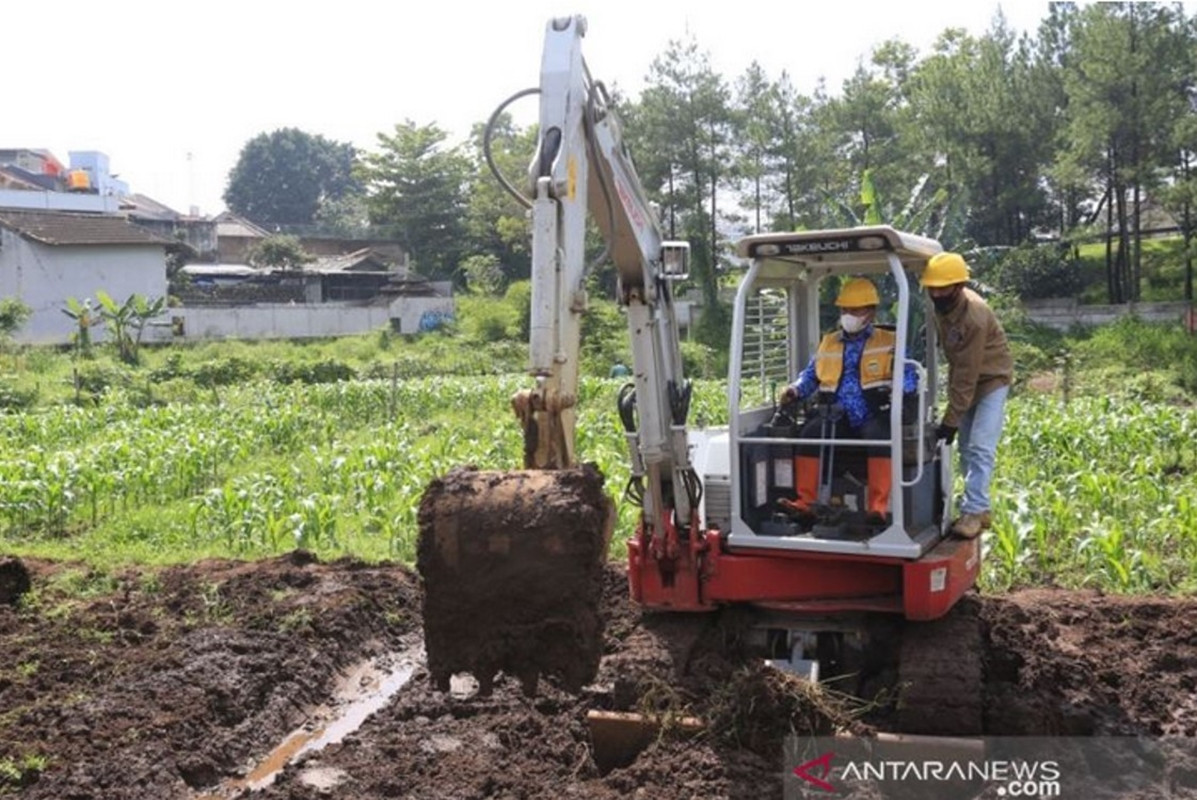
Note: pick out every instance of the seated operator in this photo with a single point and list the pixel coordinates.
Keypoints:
(853, 368)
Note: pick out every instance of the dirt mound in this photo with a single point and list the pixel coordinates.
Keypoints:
(167, 684)
(14, 580)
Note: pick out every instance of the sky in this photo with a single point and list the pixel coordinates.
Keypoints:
(171, 92)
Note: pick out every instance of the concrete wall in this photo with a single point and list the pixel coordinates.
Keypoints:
(58, 201)
(43, 277)
(286, 321)
(1064, 313)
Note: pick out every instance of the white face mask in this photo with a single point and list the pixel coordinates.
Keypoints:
(852, 323)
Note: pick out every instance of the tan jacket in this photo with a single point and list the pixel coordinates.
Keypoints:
(978, 354)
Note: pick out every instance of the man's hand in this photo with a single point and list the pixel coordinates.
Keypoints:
(789, 395)
(946, 434)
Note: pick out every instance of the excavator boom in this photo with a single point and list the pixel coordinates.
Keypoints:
(544, 530)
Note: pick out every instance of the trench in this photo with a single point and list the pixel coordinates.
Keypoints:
(364, 689)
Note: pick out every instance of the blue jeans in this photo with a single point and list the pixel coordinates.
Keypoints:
(980, 430)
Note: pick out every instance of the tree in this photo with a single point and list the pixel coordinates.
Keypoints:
(682, 135)
(13, 314)
(281, 250)
(869, 120)
(1181, 196)
(760, 123)
(289, 176)
(496, 224)
(1126, 81)
(416, 188)
(988, 120)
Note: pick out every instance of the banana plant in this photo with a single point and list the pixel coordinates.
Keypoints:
(86, 317)
(144, 310)
(936, 214)
(127, 321)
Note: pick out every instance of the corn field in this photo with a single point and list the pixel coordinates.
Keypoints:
(1097, 493)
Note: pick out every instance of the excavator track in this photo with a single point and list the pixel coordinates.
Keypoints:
(940, 678)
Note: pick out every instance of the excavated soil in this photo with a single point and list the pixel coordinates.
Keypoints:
(479, 616)
(174, 683)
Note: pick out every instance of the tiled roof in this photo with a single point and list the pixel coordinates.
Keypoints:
(364, 260)
(229, 224)
(142, 207)
(58, 228)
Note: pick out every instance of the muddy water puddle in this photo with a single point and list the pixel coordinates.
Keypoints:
(363, 690)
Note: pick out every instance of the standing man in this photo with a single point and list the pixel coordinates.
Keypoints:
(980, 368)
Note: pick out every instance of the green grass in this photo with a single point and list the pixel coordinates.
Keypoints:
(247, 450)
(1095, 492)
(1162, 270)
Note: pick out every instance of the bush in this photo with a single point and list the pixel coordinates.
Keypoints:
(1029, 359)
(485, 319)
(96, 379)
(329, 370)
(172, 368)
(1033, 272)
(225, 372)
(519, 298)
(1143, 347)
(702, 361)
(605, 339)
(15, 398)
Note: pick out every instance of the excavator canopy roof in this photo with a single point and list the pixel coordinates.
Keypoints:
(862, 249)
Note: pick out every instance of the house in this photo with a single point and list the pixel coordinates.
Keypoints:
(361, 277)
(235, 237)
(49, 256)
(33, 161)
(197, 234)
(35, 179)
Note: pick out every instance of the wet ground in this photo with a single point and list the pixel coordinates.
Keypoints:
(290, 679)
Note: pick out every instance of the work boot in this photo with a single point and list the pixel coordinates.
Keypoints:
(806, 482)
(802, 513)
(986, 521)
(968, 526)
(877, 494)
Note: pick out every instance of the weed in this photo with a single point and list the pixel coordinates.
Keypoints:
(22, 771)
(295, 621)
(216, 608)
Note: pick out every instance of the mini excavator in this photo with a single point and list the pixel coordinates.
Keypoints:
(716, 526)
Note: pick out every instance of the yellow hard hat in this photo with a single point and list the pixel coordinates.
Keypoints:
(858, 292)
(945, 269)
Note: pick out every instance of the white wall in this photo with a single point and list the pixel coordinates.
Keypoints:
(1063, 313)
(285, 321)
(58, 201)
(43, 277)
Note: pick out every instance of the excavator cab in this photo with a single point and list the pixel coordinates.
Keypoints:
(878, 488)
(844, 557)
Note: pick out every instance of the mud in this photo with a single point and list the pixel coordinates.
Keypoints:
(171, 683)
(512, 567)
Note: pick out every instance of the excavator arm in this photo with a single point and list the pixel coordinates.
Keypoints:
(513, 561)
(582, 169)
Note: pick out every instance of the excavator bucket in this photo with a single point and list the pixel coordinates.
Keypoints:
(512, 567)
